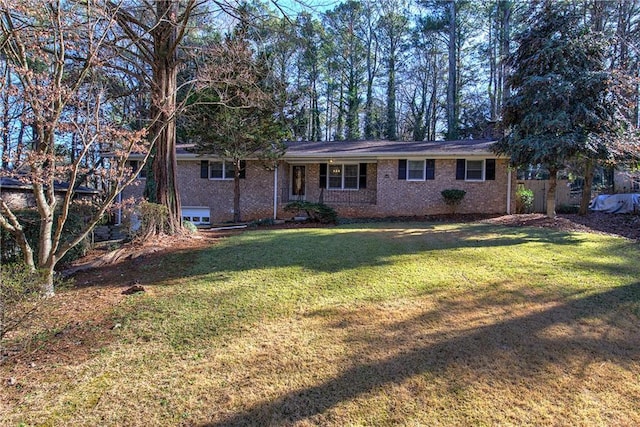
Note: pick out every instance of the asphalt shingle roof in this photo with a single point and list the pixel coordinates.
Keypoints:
(382, 148)
(15, 184)
(377, 149)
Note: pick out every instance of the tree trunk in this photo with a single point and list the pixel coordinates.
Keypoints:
(12, 224)
(46, 204)
(505, 50)
(315, 110)
(551, 193)
(433, 103)
(329, 112)
(452, 120)
(419, 116)
(25, 248)
(47, 278)
(339, 135)
(353, 127)
(164, 172)
(589, 168)
(2, 326)
(492, 87)
(20, 142)
(45, 243)
(391, 100)
(368, 111)
(6, 119)
(163, 107)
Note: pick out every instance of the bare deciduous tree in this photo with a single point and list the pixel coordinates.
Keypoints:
(52, 52)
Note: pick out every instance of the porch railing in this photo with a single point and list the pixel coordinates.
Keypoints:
(338, 197)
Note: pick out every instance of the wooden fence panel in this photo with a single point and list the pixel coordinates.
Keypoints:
(540, 188)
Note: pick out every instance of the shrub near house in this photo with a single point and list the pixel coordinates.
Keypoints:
(453, 197)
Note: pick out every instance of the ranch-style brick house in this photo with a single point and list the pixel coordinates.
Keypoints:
(357, 178)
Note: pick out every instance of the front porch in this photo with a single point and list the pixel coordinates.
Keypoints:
(335, 184)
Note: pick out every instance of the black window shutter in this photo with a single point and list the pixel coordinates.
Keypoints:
(363, 175)
(243, 169)
(323, 175)
(431, 168)
(134, 165)
(460, 168)
(204, 169)
(402, 169)
(490, 172)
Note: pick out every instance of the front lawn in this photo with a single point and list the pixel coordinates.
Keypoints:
(365, 324)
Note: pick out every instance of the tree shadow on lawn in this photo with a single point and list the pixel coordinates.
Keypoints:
(483, 349)
(329, 252)
(620, 258)
(313, 250)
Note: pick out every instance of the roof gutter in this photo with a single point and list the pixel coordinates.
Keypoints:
(315, 157)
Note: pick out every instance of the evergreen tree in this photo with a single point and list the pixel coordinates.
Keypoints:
(343, 26)
(154, 32)
(565, 103)
(234, 113)
(393, 31)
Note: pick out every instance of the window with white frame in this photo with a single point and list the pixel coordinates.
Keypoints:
(415, 170)
(350, 177)
(474, 170)
(342, 177)
(221, 170)
(196, 214)
(335, 176)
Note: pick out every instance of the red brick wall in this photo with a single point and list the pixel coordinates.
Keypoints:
(394, 197)
(24, 199)
(408, 198)
(18, 199)
(401, 197)
(256, 192)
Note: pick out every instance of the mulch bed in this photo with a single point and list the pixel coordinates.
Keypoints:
(624, 225)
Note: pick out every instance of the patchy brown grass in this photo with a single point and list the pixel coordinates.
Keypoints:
(458, 361)
(499, 352)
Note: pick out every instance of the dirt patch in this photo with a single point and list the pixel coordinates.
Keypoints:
(77, 322)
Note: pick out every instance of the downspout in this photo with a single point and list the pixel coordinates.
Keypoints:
(275, 192)
(119, 212)
(509, 190)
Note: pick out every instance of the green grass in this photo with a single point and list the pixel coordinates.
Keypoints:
(375, 324)
(269, 274)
